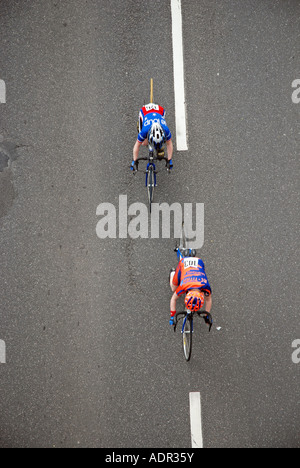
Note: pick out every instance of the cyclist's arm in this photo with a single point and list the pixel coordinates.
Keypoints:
(170, 149)
(208, 303)
(136, 150)
(176, 278)
(173, 302)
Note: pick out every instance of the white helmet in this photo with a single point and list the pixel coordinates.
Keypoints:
(156, 136)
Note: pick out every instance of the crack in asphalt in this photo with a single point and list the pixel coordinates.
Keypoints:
(8, 154)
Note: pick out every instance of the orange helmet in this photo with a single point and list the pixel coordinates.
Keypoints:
(194, 300)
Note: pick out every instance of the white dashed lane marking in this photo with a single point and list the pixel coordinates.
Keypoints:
(196, 420)
(179, 89)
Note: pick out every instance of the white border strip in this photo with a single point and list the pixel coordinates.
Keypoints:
(2, 92)
(196, 420)
(180, 104)
(2, 352)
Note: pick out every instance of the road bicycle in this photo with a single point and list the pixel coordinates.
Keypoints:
(151, 172)
(153, 156)
(187, 329)
(187, 316)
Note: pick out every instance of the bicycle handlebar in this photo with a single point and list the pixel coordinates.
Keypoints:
(155, 158)
(203, 314)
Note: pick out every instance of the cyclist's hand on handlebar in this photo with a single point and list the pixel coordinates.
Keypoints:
(170, 165)
(208, 319)
(173, 318)
(134, 166)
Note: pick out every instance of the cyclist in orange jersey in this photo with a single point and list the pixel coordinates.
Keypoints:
(190, 279)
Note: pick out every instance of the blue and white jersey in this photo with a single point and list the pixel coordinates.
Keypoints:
(150, 114)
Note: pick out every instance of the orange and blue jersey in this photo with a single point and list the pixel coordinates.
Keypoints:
(149, 114)
(190, 274)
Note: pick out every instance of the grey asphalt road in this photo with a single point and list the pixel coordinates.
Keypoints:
(90, 358)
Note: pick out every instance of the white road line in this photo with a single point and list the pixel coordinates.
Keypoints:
(2, 92)
(2, 352)
(196, 420)
(180, 104)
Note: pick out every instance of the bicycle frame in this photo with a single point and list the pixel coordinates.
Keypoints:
(184, 322)
(187, 316)
(181, 250)
(151, 164)
(151, 172)
(180, 255)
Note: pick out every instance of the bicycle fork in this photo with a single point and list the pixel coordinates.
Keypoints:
(154, 173)
(184, 323)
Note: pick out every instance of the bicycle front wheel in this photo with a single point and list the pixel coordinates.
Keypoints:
(150, 187)
(187, 337)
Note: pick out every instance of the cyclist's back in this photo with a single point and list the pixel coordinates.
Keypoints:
(150, 114)
(190, 279)
(190, 274)
(154, 131)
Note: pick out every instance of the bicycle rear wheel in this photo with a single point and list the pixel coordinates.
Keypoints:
(184, 241)
(187, 337)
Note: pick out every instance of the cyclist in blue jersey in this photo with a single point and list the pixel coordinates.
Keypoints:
(153, 130)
